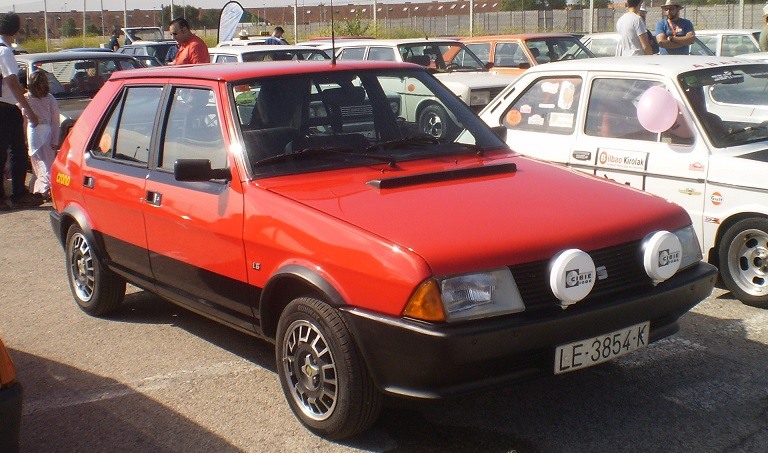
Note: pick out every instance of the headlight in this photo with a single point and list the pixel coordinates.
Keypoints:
(467, 296)
(690, 245)
(479, 97)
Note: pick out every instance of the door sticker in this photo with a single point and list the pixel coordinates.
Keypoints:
(620, 159)
(716, 198)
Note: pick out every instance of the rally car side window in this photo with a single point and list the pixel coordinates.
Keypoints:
(549, 105)
(128, 129)
(612, 109)
(192, 130)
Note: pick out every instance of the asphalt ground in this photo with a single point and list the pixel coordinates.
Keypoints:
(157, 378)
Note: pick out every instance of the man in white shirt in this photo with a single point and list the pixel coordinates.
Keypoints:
(11, 121)
(633, 34)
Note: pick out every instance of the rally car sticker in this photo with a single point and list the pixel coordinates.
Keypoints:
(624, 160)
(561, 120)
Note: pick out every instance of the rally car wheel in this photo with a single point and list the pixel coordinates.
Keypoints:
(322, 374)
(97, 290)
(434, 121)
(744, 261)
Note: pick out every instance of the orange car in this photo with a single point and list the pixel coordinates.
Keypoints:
(513, 54)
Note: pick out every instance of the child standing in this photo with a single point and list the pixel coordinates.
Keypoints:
(43, 139)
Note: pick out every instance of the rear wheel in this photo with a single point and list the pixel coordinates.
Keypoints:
(743, 257)
(321, 372)
(97, 290)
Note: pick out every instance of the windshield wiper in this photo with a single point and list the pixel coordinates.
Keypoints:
(418, 140)
(321, 152)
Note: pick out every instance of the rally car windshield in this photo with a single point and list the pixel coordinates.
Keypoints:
(316, 122)
(730, 102)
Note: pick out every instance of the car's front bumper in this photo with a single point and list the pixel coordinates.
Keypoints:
(10, 418)
(433, 361)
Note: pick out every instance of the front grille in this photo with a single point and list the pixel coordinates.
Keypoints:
(495, 91)
(624, 266)
(357, 110)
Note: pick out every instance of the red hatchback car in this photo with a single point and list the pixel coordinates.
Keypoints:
(298, 202)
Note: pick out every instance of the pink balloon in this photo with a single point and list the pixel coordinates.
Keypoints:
(657, 109)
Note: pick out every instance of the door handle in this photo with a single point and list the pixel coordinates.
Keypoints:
(154, 198)
(88, 182)
(582, 155)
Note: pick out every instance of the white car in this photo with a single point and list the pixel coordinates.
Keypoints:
(730, 42)
(448, 60)
(693, 130)
(239, 54)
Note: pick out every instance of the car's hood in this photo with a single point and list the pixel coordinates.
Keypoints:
(497, 215)
(476, 79)
(746, 169)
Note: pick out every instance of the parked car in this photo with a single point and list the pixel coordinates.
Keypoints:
(86, 49)
(387, 263)
(449, 60)
(252, 41)
(10, 403)
(605, 44)
(689, 129)
(729, 43)
(513, 54)
(141, 50)
(136, 34)
(74, 77)
(239, 54)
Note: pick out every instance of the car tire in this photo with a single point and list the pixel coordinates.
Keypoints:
(743, 254)
(97, 290)
(323, 377)
(434, 121)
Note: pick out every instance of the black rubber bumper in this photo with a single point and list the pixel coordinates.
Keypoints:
(423, 360)
(10, 418)
(56, 225)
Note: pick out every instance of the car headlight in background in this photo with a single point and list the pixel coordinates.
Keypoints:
(466, 296)
(479, 97)
(690, 246)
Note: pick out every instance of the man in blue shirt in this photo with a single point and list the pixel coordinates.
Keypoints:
(277, 37)
(674, 34)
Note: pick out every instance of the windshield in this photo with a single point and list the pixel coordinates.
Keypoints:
(442, 57)
(317, 122)
(547, 50)
(285, 55)
(731, 103)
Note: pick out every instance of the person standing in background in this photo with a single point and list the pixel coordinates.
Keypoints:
(192, 49)
(633, 35)
(277, 37)
(764, 33)
(674, 34)
(11, 120)
(642, 12)
(113, 44)
(43, 139)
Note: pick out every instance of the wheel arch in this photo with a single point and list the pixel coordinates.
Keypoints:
(287, 284)
(429, 102)
(73, 215)
(713, 253)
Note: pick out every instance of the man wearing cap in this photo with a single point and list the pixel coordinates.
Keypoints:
(674, 34)
(633, 36)
(764, 33)
(642, 12)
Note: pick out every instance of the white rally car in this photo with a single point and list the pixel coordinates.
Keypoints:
(692, 129)
(450, 61)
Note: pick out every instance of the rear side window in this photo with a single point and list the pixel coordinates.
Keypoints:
(549, 105)
(382, 54)
(352, 53)
(612, 110)
(128, 132)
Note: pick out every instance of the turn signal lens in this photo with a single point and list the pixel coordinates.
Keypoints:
(425, 304)
(7, 369)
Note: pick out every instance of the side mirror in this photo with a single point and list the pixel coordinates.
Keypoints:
(489, 65)
(501, 132)
(196, 170)
(525, 65)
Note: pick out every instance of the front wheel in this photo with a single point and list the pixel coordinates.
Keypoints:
(743, 254)
(321, 372)
(97, 290)
(434, 120)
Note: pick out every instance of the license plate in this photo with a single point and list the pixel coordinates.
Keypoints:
(599, 349)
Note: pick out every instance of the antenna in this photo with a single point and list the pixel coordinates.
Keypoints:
(333, 38)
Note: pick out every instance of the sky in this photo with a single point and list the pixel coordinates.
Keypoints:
(119, 5)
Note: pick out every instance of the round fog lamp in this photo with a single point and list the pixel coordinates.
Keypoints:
(571, 276)
(661, 255)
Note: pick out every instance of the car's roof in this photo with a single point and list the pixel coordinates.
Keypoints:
(243, 42)
(648, 64)
(65, 56)
(261, 49)
(732, 31)
(520, 36)
(605, 34)
(145, 43)
(390, 42)
(234, 72)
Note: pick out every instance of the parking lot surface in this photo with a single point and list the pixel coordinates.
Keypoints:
(155, 377)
